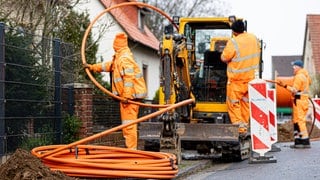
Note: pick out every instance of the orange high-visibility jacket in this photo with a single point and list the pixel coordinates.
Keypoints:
(242, 53)
(301, 83)
(127, 78)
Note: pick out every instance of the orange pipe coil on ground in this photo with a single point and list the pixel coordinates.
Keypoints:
(283, 95)
(79, 159)
(110, 162)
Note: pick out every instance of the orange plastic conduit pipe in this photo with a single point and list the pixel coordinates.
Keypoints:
(83, 46)
(80, 160)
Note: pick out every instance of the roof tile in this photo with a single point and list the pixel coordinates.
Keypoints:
(127, 17)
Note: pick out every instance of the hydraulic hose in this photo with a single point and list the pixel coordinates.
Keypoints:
(314, 116)
(313, 106)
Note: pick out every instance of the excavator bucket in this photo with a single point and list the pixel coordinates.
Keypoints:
(192, 132)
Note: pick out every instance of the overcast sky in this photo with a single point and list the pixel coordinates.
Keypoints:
(280, 23)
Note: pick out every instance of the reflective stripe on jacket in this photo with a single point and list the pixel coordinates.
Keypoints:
(301, 83)
(127, 78)
(242, 53)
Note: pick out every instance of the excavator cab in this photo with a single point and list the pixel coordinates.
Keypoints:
(209, 80)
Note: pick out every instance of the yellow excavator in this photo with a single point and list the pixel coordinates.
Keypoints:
(191, 68)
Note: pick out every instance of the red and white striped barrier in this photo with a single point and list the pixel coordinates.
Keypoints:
(273, 123)
(259, 116)
(316, 102)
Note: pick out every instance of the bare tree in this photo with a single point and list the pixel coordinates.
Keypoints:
(184, 8)
(46, 19)
(40, 17)
(35, 15)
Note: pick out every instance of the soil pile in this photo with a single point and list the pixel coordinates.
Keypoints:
(23, 165)
(285, 131)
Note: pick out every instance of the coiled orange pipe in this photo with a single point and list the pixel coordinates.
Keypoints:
(79, 159)
(111, 162)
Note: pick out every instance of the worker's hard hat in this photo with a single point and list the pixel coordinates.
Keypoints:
(297, 63)
(120, 41)
(238, 26)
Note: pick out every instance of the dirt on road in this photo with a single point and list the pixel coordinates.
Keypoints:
(285, 131)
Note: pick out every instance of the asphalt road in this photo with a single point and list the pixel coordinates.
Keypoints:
(291, 164)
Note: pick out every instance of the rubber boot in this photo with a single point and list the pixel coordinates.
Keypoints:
(304, 143)
(301, 143)
(296, 131)
(296, 143)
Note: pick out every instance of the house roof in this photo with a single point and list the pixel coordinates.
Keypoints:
(313, 24)
(282, 65)
(127, 17)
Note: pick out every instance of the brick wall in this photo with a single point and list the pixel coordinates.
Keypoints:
(82, 106)
(97, 112)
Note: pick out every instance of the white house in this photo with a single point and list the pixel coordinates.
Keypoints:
(128, 19)
(311, 53)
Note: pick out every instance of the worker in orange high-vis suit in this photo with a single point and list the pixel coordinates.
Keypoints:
(242, 55)
(127, 82)
(300, 103)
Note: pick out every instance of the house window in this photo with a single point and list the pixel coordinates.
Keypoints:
(141, 19)
(145, 73)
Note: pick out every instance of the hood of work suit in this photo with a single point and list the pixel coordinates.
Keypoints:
(120, 41)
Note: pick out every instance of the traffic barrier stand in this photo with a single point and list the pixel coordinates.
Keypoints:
(273, 123)
(259, 122)
(316, 102)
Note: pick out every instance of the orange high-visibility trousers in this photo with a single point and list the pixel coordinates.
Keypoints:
(129, 112)
(300, 109)
(238, 105)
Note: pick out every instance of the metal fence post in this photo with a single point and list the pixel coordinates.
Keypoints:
(57, 57)
(71, 100)
(2, 89)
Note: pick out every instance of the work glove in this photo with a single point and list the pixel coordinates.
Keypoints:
(282, 84)
(89, 66)
(125, 101)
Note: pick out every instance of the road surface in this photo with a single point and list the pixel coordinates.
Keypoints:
(291, 164)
